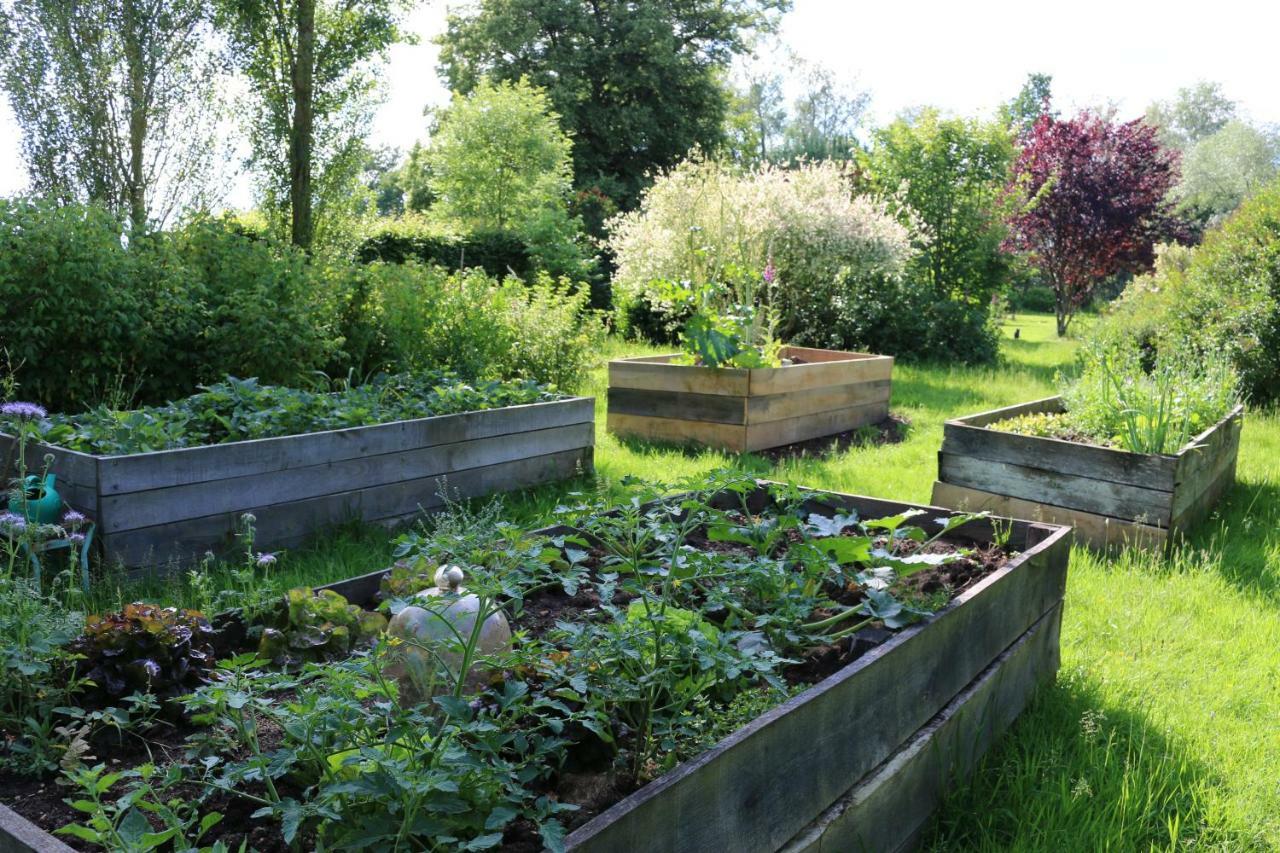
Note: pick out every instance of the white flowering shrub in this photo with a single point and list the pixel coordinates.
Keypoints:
(702, 219)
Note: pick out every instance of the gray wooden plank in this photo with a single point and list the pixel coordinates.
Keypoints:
(1148, 471)
(810, 401)
(1100, 497)
(284, 525)
(893, 804)
(678, 405)
(729, 798)
(236, 494)
(656, 373)
(796, 377)
(1047, 405)
(165, 468)
(19, 835)
(1205, 466)
(780, 433)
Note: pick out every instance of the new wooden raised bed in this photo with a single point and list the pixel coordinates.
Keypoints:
(858, 761)
(742, 409)
(173, 505)
(1112, 497)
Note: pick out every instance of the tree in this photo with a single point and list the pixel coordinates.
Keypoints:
(498, 157)
(950, 173)
(637, 85)
(757, 116)
(1096, 203)
(1033, 100)
(115, 101)
(1197, 112)
(384, 178)
(309, 64)
(1222, 170)
(825, 117)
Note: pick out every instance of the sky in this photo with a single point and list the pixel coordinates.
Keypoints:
(962, 57)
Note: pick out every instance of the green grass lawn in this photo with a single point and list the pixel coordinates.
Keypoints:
(1163, 729)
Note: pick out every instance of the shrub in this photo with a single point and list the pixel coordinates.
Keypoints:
(701, 219)
(72, 313)
(1033, 298)
(481, 327)
(414, 238)
(1222, 297)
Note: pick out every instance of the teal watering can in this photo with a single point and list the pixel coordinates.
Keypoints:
(42, 505)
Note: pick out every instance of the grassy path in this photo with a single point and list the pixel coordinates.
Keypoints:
(1163, 730)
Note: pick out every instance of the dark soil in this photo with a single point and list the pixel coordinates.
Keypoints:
(592, 784)
(891, 430)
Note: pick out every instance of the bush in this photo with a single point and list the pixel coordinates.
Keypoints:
(840, 259)
(480, 327)
(412, 238)
(1222, 297)
(89, 317)
(1036, 297)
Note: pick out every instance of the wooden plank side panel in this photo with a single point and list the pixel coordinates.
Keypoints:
(1099, 497)
(237, 494)
(143, 471)
(1147, 471)
(730, 437)
(782, 432)
(814, 354)
(1200, 509)
(19, 835)
(287, 524)
(799, 377)
(678, 405)
(1098, 531)
(775, 407)
(1048, 405)
(892, 805)
(835, 732)
(75, 473)
(656, 374)
(1202, 463)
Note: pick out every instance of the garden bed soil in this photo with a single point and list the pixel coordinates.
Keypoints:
(167, 508)
(933, 696)
(1113, 497)
(823, 392)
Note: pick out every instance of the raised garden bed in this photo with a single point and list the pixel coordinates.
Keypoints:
(173, 505)
(1113, 497)
(859, 759)
(743, 409)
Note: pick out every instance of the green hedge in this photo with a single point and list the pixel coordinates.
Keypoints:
(498, 253)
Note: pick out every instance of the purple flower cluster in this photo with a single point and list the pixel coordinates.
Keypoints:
(18, 409)
(265, 559)
(770, 272)
(73, 519)
(12, 521)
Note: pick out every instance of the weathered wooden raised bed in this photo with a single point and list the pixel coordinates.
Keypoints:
(742, 409)
(173, 505)
(860, 760)
(1112, 497)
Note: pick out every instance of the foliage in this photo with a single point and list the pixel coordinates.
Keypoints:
(701, 220)
(498, 156)
(394, 241)
(243, 409)
(636, 84)
(1195, 113)
(1093, 203)
(118, 102)
(1118, 401)
(144, 649)
(311, 68)
(318, 625)
(482, 328)
(947, 175)
(1222, 170)
(1034, 99)
(88, 318)
(1222, 299)
(825, 116)
(730, 321)
(121, 821)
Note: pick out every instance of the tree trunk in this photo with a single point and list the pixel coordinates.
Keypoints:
(135, 178)
(300, 133)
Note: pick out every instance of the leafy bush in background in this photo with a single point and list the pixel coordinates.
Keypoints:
(841, 259)
(414, 238)
(481, 327)
(1220, 298)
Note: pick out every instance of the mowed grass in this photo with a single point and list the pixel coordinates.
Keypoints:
(1163, 729)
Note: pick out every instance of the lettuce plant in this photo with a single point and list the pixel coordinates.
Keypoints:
(145, 649)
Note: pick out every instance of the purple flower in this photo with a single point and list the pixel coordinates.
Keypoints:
(75, 537)
(770, 272)
(23, 410)
(265, 559)
(73, 518)
(12, 520)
